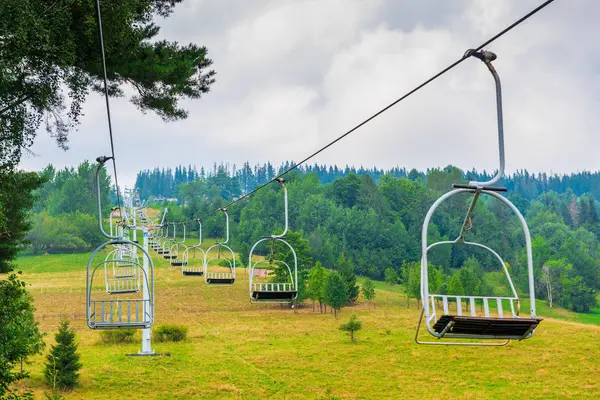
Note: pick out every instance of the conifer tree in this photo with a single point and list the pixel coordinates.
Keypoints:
(62, 365)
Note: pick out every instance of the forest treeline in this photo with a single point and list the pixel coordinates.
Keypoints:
(166, 182)
(375, 220)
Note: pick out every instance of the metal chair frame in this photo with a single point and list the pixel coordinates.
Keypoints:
(123, 262)
(175, 252)
(429, 313)
(190, 269)
(212, 278)
(275, 289)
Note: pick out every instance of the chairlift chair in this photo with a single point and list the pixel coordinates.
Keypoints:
(167, 255)
(158, 236)
(121, 272)
(467, 323)
(165, 242)
(116, 310)
(178, 251)
(284, 291)
(192, 267)
(219, 277)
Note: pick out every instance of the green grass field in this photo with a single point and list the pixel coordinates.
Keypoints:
(244, 351)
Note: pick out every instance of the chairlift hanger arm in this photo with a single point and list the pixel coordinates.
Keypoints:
(162, 221)
(101, 160)
(281, 181)
(224, 210)
(199, 231)
(487, 57)
(183, 239)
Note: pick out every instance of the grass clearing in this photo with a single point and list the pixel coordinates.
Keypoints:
(236, 350)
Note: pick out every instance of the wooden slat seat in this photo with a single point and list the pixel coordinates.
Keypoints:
(193, 271)
(118, 325)
(178, 263)
(272, 295)
(509, 328)
(220, 281)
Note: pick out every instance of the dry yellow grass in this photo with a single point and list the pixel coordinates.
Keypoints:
(239, 350)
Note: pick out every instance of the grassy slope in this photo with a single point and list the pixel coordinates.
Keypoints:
(238, 350)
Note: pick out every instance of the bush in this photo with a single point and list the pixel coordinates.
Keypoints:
(224, 262)
(118, 336)
(170, 333)
(352, 326)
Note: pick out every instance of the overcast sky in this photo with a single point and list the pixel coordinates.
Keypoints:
(293, 75)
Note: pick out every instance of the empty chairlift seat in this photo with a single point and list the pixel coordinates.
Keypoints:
(220, 270)
(477, 318)
(274, 280)
(178, 251)
(194, 257)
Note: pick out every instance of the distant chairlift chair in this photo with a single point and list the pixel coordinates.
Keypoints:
(160, 237)
(285, 290)
(467, 323)
(121, 272)
(179, 251)
(164, 245)
(220, 277)
(195, 265)
(169, 243)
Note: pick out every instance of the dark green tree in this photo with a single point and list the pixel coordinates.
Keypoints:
(346, 190)
(16, 199)
(50, 62)
(335, 292)
(346, 270)
(19, 333)
(62, 363)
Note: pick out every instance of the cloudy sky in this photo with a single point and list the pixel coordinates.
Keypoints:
(293, 75)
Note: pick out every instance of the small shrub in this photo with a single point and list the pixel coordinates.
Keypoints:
(224, 262)
(170, 333)
(351, 326)
(118, 336)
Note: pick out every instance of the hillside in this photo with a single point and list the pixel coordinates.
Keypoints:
(239, 350)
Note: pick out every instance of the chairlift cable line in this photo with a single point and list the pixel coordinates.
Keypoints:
(389, 106)
(105, 78)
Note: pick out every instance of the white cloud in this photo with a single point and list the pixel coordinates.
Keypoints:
(293, 75)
